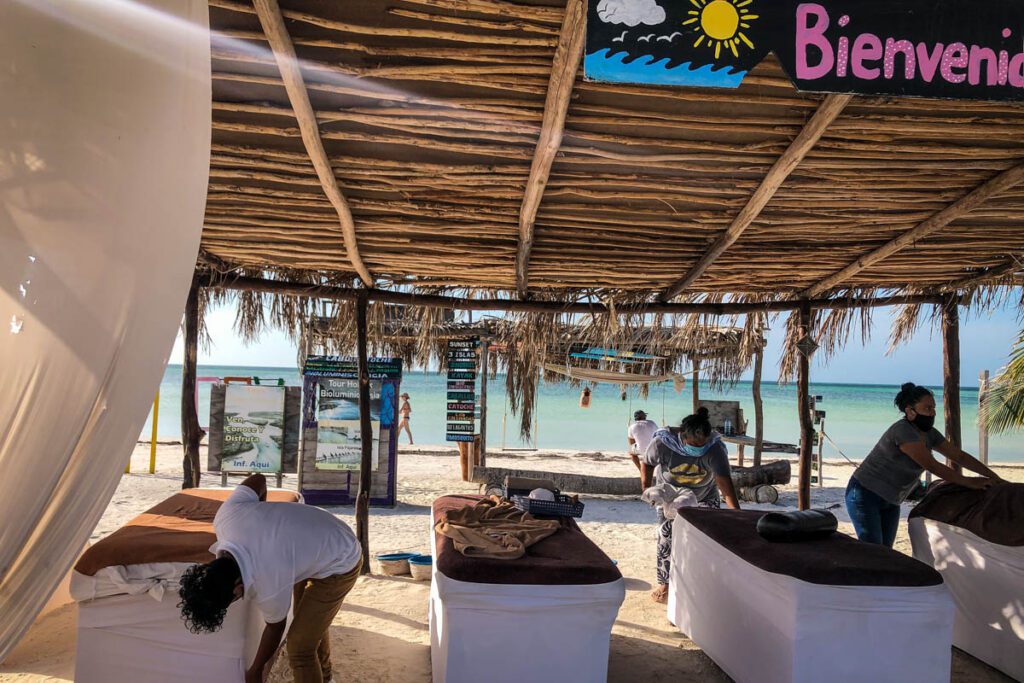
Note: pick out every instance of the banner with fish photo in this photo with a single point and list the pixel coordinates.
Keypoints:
(253, 428)
(339, 433)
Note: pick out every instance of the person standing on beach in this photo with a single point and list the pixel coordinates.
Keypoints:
(404, 412)
(639, 435)
(893, 468)
(283, 556)
(693, 460)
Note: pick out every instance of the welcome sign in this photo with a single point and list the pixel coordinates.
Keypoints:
(918, 48)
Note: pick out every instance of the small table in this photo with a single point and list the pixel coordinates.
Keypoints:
(742, 441)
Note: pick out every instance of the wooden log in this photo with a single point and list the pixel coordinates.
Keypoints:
(958, 209)
(758, 407)
(334, 293)
(778, 472)
(566, 63)
(762, 493)
(830, 108)
(269, 13)
(951, 370)
(366, 442)
(804, 410)
(191, 434)
(566, 483)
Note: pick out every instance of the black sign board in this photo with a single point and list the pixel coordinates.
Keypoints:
(462, 360)
(963, 49)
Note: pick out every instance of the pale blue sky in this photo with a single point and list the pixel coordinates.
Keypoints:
(984, 344)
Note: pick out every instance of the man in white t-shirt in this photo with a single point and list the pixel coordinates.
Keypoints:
(275, 553)
(640, 433)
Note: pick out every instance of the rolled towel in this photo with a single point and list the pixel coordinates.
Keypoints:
(805, 525)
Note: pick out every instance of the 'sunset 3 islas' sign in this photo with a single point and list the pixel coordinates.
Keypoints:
(964, 49)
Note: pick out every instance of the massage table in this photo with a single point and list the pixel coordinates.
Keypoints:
(828, 610)
(129, 624)
(975, 539)
(546, 616)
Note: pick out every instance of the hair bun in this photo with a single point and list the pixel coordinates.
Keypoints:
(907, 386)
(702, 411)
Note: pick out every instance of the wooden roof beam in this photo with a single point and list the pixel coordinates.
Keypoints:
(334, 293)
(269, 13)
(827, 112)
(936, 221)
(563, 75)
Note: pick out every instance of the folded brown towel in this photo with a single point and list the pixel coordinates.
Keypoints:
(494, 529)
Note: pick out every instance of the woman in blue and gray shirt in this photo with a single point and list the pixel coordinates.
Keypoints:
(692, 458)
(893, 467)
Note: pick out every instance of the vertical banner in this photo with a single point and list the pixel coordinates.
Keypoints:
(462, 357)
(333, 438)
(253, 431)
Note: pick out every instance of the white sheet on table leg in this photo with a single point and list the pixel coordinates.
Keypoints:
(766, 627)
(987, 584)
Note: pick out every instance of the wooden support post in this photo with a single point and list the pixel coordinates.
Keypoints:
(152, 436)
(366, 440)
(190, 431)
(758, 407)
(804, 409)
(951, 369)
(482, 455)
(982, 424)
(696, 383)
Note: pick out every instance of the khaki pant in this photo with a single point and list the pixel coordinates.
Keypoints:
(316, 601)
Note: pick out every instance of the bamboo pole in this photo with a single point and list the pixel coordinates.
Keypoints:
(951, 370)
(152, 436)
(758, 407)
(695, 360)
(366, 440)
(804, 410)
(284, 53)
(937, 221)
(830, 108)
(190, 431)
(563, 74)
(982, 423)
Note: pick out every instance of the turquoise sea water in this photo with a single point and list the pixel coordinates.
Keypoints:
(605, 65)
(855, 414)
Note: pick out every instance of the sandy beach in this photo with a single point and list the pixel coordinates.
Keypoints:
(381, 633)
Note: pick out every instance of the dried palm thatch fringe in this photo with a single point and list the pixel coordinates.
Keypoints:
(1003, 408)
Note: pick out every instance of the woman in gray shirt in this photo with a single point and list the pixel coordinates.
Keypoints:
(893, 467)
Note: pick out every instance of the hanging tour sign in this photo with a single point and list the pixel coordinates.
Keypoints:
(462, 361)
(959, 49)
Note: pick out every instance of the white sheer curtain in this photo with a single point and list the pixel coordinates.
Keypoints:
(104, 158)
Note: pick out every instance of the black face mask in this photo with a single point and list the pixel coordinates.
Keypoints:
(923, 422)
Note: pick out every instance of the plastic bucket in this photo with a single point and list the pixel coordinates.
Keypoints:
(420, 566)
(394, 564)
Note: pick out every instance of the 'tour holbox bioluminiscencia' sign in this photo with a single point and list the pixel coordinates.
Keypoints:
(961, 49)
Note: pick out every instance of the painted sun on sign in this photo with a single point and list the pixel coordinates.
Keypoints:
(721, 22)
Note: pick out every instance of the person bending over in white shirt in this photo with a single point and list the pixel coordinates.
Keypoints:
(639, 434)
(283, 556)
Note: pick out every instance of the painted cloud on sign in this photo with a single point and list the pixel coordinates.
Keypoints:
(630, 12)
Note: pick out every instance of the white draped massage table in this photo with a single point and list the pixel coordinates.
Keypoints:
(544, 617)
(986, 578)
(758, 610)
(129, 625)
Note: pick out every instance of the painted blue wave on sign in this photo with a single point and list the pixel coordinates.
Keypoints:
(602, 66)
